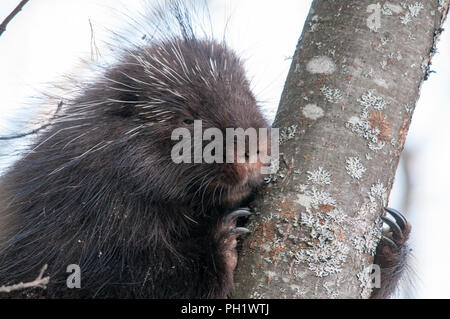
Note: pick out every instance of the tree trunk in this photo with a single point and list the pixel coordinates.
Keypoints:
(343, 118)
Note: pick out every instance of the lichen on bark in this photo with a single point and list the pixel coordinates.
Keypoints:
(343, 117)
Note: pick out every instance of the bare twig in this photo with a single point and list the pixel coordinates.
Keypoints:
(12, 15)
(38, 282)
(94, 49)
(60, 104)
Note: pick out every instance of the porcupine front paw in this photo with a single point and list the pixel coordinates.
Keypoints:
(226, 253)
(392, 253)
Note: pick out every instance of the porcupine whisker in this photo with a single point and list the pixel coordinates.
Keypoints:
(79, 157)
(53, 135)
(134, 79)
(79, 136)
(203, 195)
(134, 129)
(121, 83)
(202, 183)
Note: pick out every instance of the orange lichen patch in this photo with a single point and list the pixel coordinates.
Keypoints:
(265, 230)
(340, 235)
(326, 208)
(320, 82)
(268, 229)
(275, 251)
(378, 120)
(263, 190)
(263, 236)
(287, 210)
(307, 156)
(304, 121)
(403, 131)
(323, 208)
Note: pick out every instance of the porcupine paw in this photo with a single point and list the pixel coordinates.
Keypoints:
(392, 252)
(226, 236)
(394, 238)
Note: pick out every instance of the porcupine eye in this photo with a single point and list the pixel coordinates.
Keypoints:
(188, 121)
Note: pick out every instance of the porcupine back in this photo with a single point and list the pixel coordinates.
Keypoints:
(99, 188)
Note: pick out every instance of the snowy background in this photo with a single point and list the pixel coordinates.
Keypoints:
(49, 37)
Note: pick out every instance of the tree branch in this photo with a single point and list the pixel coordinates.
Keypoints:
(12, 15)
(40, 282)
(60, 104)
(343, 116)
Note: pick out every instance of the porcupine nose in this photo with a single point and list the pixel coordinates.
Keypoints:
(255, 159)
(249, 156)
(256, 164)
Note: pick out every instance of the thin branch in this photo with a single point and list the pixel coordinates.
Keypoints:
(60, 104)
(93, 43)
(38, 282)
(12, 15)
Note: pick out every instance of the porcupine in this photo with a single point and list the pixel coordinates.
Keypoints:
(100, 190)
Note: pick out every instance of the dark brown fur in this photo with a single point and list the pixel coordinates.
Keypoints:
(99, 188)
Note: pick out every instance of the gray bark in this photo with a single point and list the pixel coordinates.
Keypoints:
(343, 118)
